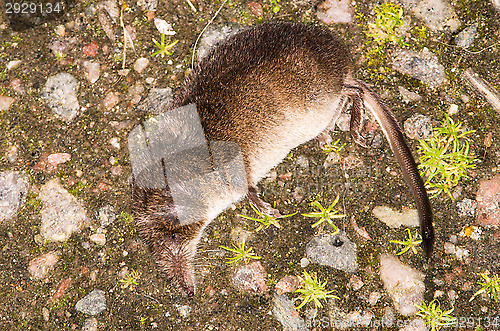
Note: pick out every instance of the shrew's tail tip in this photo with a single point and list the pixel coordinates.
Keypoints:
(428, 243)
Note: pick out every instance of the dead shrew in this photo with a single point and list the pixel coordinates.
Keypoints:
(269, 89)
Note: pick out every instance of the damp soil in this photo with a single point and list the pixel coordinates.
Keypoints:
(152, 303)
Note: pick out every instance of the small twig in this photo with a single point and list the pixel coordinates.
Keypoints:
(201, 33)
(484, 88)
(191, 5)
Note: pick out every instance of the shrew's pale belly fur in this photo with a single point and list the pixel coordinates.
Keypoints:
(275, 145)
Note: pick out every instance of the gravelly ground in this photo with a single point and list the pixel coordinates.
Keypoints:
(90, 175)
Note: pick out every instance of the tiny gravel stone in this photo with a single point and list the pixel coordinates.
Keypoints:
(465, 38)
(466, 207)
(355, 282)
(106, 215)
(395, 219)
(13, 64)
(256, 9)
(5, 102)
(418, 127)
(408, 96)
(335, 11)
(60, 94)
(91, 71)
(488, 206)
(302, 161)
(331, 159)
(98, 238)
(13, 191)
(184, 311)
(304, 262)
(141, 64)
(336, 251)
(91, 49)
(250, 278)
(423, 65)
(40, 266)
(111, 99)
(58, 158)
(11, 154)
(93, 303)
(374, 297)
(404, 284)
(164, 27)
(287, 284)
(90, 324)
(45, 314)
(284, 312)
(62, 213)
(148, 5)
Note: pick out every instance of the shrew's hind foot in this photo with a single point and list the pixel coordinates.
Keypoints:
(262, 206)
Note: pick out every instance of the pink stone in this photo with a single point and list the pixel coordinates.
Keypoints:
(111, 100)
(5, 102)
(250, 278)
(287, 284)
(57, 158)
(91, 49)
(488, 202)
(40, 266)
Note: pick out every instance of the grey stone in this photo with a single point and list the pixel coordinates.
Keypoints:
(336, 251)
(60, 93)
(93, 303)
(423, 65)
(285, 313)
(13, 191)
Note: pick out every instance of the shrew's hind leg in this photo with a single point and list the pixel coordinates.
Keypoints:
(356, 124)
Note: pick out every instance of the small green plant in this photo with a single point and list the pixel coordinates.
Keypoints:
(445, 157)
(491, 286)
(334, 147)
(389, 17)
(325, 214)
(130, 280)
(265, 220)
(434, 317)
(275, 7)
(163, 49)
(410, 243)
(312, 290)
(241, 254)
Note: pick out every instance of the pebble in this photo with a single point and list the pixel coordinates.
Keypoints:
(496, 4)
(91, 71)
(157, 101)
(13, 191)
(304, 262)
(423, 65)
(13, 64)
(58, 158)
(336, 251)
(106, 215)
(60, 46)
(115, 142)
(93, 303)
(111, 99)
(404, 284)
(90, 324)
(355, 282)
(134, 93)
(418, 127)
(65, 284)
(148, 5)
(184, 310)
(488, 206)
(11, 153)
(140, 64)
(40, 266)
(287, 284)
(16, 85)
(106, 25)
(465, 38)
(163, 27)
(62, 213)
(374, 297)
(335, 11)
(60, 93)
(408, 96)
(98, 238)
(466, 207)
(91, 49)
(5, 102)
(331, 159)
(438, 15)
(256, 9)
(394, 219)
(284, 312)
(250, 278)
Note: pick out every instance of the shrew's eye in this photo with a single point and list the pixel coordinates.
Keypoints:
(174, 236)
